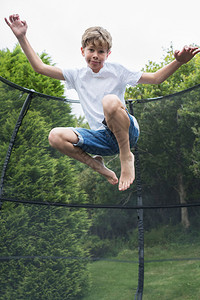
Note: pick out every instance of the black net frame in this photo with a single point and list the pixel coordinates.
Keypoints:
(139, 207)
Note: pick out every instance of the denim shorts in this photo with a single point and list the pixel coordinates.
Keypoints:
(103, 142)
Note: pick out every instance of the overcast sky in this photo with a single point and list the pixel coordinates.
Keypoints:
(140, 29)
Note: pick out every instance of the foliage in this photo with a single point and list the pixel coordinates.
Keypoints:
(168, 146)
(186, 76)
(15, 67)
(49, 237)
(45, 240)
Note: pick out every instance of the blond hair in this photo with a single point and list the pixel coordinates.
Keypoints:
(98, 36)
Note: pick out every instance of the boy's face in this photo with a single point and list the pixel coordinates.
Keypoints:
(95, 56)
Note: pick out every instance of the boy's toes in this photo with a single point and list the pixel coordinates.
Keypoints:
(124, 185)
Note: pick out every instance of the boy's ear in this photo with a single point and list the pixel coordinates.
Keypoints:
(82, 51)
(109, 52)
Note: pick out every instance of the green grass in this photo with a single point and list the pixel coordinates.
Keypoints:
(168, 280)
(172, 280)
(113, 281)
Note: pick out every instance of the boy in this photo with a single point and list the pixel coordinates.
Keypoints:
(101, 88)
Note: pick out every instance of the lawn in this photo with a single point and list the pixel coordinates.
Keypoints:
(172, 279)
(113, 281)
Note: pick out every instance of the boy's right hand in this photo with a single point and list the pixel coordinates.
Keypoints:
(18, 27)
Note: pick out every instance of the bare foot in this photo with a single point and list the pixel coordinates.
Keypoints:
(103, 170)
(127, 172)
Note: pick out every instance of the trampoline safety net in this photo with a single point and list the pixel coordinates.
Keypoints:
(66, 233)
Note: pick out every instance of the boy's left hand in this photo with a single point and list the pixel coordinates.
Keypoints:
(186, 54)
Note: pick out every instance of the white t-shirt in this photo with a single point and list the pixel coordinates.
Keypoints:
(92, 87)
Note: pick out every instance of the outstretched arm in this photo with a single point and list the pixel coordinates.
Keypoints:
(181, 57)
(19, 29)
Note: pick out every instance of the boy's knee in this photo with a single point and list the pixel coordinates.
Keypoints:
(60, 135)
(111, 103)
(53, 135)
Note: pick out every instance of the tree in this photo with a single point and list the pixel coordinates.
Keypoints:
(15, 67)
(38, 173)
(169, 130)
(186, 76)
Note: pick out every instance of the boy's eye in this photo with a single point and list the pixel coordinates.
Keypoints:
(92, 50)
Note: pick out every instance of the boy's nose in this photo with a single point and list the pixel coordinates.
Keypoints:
(95, 54)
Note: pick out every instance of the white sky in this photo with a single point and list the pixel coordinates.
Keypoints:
(140, 29)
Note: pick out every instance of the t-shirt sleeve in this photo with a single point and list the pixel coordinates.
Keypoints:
(70, 76)
(130, 77)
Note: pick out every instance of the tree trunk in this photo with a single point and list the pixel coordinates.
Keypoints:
(182, 196)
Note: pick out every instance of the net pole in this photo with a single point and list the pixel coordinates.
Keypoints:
(13, 138)
(139, 292)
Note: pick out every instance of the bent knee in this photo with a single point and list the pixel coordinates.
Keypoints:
(111, 103)
(60, 135)
(53, 137)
